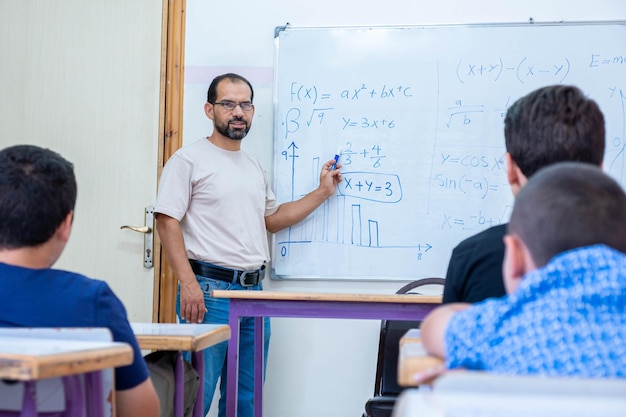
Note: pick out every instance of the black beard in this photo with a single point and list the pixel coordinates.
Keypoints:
(237, 134)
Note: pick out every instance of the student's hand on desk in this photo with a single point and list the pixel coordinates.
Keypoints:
(192, 307)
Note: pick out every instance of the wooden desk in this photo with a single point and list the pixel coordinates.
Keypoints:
(412, 358)
(261, 304)
(411, 336)
(29, 359)
(182, 337)
(479, 394)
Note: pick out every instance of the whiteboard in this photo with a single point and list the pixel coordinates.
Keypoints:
(418, 113)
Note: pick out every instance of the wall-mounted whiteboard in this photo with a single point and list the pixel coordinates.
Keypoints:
(417, 113)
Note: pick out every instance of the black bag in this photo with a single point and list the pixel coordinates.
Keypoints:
(162, 365)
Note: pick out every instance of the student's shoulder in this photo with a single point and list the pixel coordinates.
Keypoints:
(488, 236)
(75, 276)
(82, 285)
(52, 276)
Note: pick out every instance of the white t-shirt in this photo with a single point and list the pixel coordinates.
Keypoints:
(220, 198)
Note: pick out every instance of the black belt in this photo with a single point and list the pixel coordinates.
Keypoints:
(234, 276)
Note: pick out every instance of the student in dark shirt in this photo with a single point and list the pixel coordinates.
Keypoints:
(551, 124)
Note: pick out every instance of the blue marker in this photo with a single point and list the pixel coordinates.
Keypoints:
(336, 159)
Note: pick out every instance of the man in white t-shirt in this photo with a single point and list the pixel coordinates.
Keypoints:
(213, 209)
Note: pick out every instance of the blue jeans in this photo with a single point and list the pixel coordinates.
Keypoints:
(215, 356)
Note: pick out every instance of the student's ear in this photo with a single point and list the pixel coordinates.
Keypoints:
(514, 174)
(58, 241)
(517, 262)
(65, 228)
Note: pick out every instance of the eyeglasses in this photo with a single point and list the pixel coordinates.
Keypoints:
(231, 105)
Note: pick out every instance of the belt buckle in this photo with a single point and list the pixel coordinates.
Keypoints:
(244, 274)
(255, 275)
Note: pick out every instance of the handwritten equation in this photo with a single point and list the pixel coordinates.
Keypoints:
(523, 70)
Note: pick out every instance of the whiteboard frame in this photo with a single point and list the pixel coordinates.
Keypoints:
(278, 30)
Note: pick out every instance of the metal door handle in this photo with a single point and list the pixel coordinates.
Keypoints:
(142, 229)
(147, 239)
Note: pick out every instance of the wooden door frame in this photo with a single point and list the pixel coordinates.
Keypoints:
(170, 139)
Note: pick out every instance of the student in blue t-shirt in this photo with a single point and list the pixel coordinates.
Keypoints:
(37, 198)
(565, 276)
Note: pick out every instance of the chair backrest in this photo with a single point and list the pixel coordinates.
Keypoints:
(388, 346)
(51, 401)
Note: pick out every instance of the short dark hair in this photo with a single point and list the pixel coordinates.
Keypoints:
(554, 124)
(37, 192)
(211, 96)
(566, 206)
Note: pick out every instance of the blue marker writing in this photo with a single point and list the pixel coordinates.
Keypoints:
(336, 159)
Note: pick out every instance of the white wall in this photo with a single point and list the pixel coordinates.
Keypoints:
(324, 367)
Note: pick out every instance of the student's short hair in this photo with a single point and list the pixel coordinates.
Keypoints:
(554, 124)
(211, 96)
(37, 191)
(566, 206)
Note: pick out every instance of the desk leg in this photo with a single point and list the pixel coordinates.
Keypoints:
(29, 402)
(74, 396)
(258, 365)
(179, 382)
(197, 359)
(93, 394)
(232, 359)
